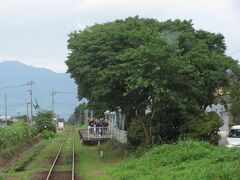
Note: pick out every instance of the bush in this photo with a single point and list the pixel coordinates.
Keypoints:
(135, 133)
(44, 121)
(48, 134)
(205, 127)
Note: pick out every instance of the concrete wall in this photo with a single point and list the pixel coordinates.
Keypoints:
(224, 115)
(120, 135)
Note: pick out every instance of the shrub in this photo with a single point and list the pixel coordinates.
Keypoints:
(204, 127)
(48, 134)
(15, 134)
(135, 133)
(44, 121)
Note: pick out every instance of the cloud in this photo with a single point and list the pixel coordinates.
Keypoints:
(36, 31)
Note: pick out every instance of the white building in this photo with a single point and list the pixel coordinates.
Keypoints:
(9, 120)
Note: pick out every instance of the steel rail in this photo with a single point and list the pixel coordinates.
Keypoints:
(55, 160)
(73, 156)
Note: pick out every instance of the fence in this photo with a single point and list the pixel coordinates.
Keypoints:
(120, 135)
(99, 132)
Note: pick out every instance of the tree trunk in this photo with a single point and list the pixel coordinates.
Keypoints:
(145, 133)
(117, 120)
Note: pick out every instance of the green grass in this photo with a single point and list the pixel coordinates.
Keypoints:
(15, 134)
(185, 160)
(65, 159)
(89, 164)
(38, 159)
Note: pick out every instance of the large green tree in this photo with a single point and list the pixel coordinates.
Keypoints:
(138, 64)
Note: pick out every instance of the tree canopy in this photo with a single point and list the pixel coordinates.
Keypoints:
(139, 64)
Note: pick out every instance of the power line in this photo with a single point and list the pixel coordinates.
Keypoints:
(30, 83)
(14, 105)
(234, 52)
(13, 93)
(64, 92)
(66, 103)
(53, 93)
(13, 86)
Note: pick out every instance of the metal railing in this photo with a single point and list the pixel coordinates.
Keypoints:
(99, 132)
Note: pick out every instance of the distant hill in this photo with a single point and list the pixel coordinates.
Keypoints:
(13, 73)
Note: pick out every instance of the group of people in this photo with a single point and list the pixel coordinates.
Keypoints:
(97, 126)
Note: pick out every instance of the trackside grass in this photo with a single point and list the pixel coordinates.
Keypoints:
(37, 160)
(89, 165)
(184, 160)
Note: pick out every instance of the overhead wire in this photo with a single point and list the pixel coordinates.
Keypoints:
(34, 97)
(234, 52)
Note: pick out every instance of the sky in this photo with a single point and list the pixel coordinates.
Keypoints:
(35, 32)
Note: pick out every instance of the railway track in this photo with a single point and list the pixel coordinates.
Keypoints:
(54, 173)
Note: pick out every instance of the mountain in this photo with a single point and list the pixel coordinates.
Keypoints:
(13, 74)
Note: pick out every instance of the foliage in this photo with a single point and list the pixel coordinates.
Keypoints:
(98, 109)
(79, 112)
(78, 116)
(235, 103)
(135, 134)
(205, 127)
(15, 134)
(72, 119)
(23, 117)
(32, 161)
(138, 64)
(44, 121)
(48, 134)
(184, 160)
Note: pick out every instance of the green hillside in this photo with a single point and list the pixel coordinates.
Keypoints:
(185, 160)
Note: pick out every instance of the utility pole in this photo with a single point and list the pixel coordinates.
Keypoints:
(80, 116)
(28, 113)
(20, 85)
(53, 93)
(91, 114)
(53, 103)
(5, 107)
(31, 103)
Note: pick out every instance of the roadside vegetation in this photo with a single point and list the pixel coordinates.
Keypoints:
(21, 131)
(20, 137)
(37, 161)
(89, 165)
(184, 160)
(15, 134)
(45, 125)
